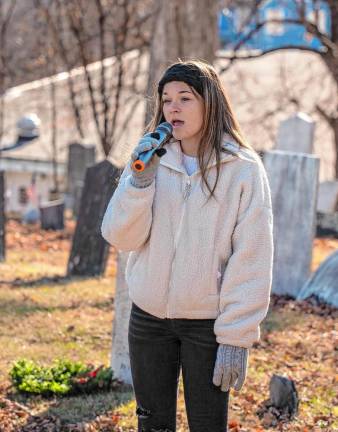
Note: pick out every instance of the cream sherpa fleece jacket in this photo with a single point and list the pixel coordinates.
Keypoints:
(190, 260)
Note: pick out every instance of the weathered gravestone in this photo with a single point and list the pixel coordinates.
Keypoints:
(296, 134)
(2, 216)
(327, 224)
(284, 395)
(120, 362)
(327, 197)
(52, 215)
(80, 157)
(293, 179)
(89, 250)
(323, 283)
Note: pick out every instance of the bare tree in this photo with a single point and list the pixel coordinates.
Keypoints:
(5, 18)
(109, 30)
(329, 53)
(181, 30)
(6, 14)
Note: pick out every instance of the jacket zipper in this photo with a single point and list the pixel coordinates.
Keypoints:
(186, 195)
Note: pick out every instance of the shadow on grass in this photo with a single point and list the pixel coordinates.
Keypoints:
(276, 321)
(285, 312)
(45, 280)
(65, 411)
(28, 307)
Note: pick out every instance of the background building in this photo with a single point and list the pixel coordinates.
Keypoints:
(233, 25)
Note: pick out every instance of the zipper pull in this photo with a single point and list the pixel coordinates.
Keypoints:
(187, 190)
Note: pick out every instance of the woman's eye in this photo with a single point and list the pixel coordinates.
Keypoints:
(183, 99)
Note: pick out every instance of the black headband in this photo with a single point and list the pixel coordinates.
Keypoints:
(181, 72)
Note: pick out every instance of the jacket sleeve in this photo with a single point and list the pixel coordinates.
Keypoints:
(127, 220)
(247, 279)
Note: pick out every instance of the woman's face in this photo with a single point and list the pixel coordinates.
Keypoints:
(184, 110)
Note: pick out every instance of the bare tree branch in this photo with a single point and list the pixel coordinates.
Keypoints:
(328, 54)
(4, 22)
(77, 26)
(233, 57)
(56, 33)
(329, 118)
(103, 93)
(120, 38)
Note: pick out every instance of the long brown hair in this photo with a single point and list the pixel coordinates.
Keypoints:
(219, 117)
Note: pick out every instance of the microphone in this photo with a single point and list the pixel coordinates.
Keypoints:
(162, 133)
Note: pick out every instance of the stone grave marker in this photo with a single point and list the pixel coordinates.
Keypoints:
(328, 197)
(327, 224)
(293, 179)
(89, 250)
(323, 283)
(284, 394)
(52, 215)
(296, 134)
(80, 157)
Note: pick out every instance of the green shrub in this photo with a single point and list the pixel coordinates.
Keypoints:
(64, 377)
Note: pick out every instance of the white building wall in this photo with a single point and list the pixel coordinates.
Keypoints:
(16, 180)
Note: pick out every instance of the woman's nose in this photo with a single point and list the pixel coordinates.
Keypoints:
(174, 106)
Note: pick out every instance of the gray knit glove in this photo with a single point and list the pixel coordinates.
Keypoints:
(231, 365)
(145, 178)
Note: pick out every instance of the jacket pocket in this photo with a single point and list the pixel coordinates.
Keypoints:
(216, 283)
(220, 276)
(219, 281)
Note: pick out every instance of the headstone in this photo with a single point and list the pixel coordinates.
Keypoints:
(293, 179)
(327, 197)
(296, 134)
(283, 394)
(323, 283)
(76, 196)
(89, 250)
(80, 157)
(120, 362)
(2, 216)
(52, 215)
(327, 225)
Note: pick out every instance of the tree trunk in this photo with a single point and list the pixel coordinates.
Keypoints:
(54, 140)
(89, 252)
(2, 216)
(335, 133)
(330, 58)
(181, 30)
(120, 362)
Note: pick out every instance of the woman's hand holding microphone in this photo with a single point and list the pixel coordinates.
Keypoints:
(142, 179)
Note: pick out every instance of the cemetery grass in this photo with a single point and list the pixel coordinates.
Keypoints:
(45, 316)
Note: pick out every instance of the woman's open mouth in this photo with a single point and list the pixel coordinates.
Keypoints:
(177, 123)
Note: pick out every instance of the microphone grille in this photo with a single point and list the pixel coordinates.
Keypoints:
(165, 127)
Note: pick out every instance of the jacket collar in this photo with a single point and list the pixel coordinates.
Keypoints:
(174, 157)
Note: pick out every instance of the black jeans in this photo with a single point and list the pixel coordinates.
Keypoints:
(158, 348)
